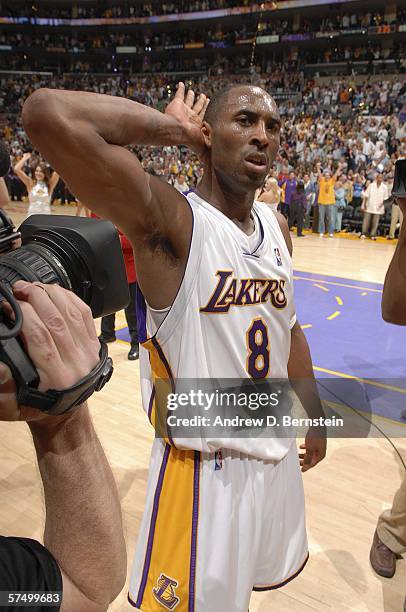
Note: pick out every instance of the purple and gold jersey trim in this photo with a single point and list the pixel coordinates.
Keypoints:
(160, 370)
(261, 239)
(278, 585)
(195, 522)
(140, 303)
(171, 553)
(157, 496)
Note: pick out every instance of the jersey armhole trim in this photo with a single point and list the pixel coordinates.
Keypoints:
(142, 303)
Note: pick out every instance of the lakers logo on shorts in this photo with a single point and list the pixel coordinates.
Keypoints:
(165, 593)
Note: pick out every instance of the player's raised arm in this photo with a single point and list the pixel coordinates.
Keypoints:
(83, 136)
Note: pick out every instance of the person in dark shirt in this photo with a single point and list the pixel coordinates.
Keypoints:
(298, 205)
(84, 554)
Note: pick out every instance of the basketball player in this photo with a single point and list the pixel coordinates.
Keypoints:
(222, 516)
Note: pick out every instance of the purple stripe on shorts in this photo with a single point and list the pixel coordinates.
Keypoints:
(195, 521)
(151, 402)
(154, 516)
(281, 584)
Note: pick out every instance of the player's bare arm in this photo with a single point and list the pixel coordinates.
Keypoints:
(301, 376)
(394, 290)
(98, 169)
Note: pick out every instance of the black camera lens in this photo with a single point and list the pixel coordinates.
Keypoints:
(80, 254)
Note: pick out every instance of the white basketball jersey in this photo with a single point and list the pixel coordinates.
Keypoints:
(231, 318)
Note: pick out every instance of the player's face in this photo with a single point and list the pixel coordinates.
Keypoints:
(245, 138)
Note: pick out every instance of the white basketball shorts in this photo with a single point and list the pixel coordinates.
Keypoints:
(215, 527)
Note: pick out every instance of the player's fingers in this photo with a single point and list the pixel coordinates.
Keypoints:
(203, 111)
(180, 91)
(190, 98)
(199, 104)
(39, 297)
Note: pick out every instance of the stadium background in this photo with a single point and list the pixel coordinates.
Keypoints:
(337, 71)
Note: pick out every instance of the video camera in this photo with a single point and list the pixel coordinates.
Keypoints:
(80, 254)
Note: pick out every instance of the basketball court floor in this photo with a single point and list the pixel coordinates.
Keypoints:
(338, 288)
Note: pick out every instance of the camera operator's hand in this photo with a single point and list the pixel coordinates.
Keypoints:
(59, 336)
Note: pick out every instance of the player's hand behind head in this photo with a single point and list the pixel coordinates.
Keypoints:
(59, 336)
(189, 113)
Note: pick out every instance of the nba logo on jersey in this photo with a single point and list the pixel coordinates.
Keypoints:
(278, 256)
(218, 460)
(164, 592)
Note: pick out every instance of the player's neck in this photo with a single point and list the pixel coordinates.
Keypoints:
(236, 206)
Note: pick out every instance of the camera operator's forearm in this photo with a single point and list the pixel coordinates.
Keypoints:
(4, 197)
(301, 375)
(83, 527)
(117, 120)
(394, 290)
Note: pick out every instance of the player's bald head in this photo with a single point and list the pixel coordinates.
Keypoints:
(236, 95)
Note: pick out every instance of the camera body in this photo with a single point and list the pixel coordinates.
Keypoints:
(80, 254)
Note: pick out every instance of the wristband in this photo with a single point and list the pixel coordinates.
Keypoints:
(56, 402)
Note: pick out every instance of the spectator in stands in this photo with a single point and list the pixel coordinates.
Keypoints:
(358, 189)
(289, 186)
(271, 193)
(326, 199)
(39, 188)
(180, 183)
(108, 333)
(374, 196)
(340, 204)
(298, 208)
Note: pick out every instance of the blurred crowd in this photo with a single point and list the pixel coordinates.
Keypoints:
(125, 9)
(296, 95)
(214, 61)
(344, 20)
(357, 128)
(146, 39)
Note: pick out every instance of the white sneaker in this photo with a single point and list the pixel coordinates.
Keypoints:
(363, 236)
(331, 235)
(321, 235)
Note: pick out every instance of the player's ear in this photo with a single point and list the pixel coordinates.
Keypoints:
(207, 131)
